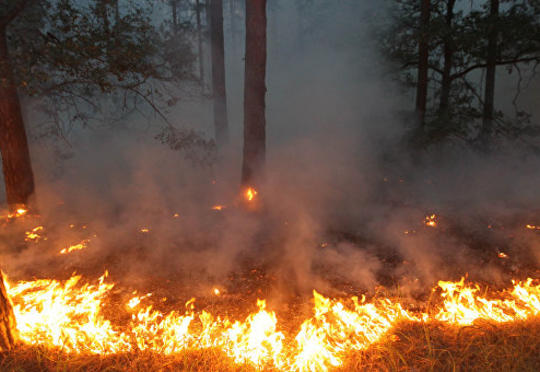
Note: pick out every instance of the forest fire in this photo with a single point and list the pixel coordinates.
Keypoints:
(69, 315)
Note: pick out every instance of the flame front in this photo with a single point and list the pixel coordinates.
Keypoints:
(70, 315)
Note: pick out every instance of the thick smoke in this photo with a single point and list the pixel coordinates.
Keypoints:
(344, 206)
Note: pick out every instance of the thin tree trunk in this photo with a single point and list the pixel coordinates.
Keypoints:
(174, 16)
(102, 12)
(423, 54)
(116, 12)
(254, 93)
(199, 41)
(448, 60)
(491, 63)
(208, 43)
(232, 9)
(218, 72)
(16, 166)
(8, 330)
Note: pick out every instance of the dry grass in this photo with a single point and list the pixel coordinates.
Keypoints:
(439, 347)
(411, 347)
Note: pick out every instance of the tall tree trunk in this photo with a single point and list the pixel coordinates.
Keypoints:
(8, 331)
(199, 41)
(448, 59)
(116, 12)
(254, 93)
(423, 64)
(218, 72)
(102, 13)
(174, 16)
(233, 9)
(16, 166)
(491, 66)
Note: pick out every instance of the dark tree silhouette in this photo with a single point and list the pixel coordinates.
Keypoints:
(491, 66)
(423, 64)
(254, 93)
(218, 72)
(16, 166)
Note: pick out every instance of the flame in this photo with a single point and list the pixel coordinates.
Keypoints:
(250, 194)
(34, 235)
(532, 227)
(431, 221)
(70, 315)
(462, 305)
(76, 247)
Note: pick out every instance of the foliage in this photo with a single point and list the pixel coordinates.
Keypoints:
(518, 26)
(78, 58)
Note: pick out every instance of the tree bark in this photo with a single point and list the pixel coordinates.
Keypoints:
(102, 12)
(491, 66)
(448, 59)
(116, 12)
(423, 64)
(218, 72)
(8, 330)
(16, 166)
(199, 41)
(174, 16)
(254, 93)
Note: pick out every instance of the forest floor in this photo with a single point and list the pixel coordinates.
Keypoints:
(408, 346)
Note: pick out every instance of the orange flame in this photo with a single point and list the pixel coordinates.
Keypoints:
(69, 315)
(75, 247)
(34, 235)
(250, 194)
(431, 221)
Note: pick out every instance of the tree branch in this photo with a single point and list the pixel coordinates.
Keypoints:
(499, 63)
(17, 9)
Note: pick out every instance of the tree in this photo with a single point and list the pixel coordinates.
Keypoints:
(448, 45)
(423, 63)
(218, 72)
(461, 43)
(254, 93)
(16, 166)
(198, 9)
(8, 331)
(72, 57)
(491, 66)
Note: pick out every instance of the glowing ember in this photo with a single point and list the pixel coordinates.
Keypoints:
(218, 207)
(502, 255)
(76, 247)
(144, 230)
(216, 292)
(431, 221)
(34, 235)
(250, 194)
(532, 227)
(69, 315)
(19, 212)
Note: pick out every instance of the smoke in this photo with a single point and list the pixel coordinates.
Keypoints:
(344, 206)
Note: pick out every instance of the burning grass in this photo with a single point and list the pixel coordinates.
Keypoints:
(64, 324)
(409, 347)
(82, 324)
